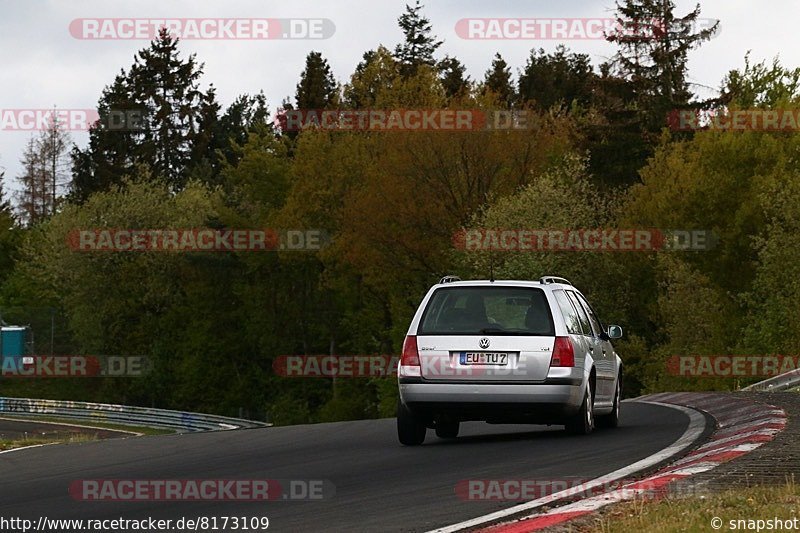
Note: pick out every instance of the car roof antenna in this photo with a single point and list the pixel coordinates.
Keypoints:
(491, 267)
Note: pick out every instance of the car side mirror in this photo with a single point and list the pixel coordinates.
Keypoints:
(614, 332)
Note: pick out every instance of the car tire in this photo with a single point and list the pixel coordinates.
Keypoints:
(611, 420)
(447, 429)
(582, 422)
(410, 430)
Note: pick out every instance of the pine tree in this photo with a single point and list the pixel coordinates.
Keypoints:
(452, 76)
(654, 45)
(53, 144)
(498, 81)
(111, 153)
(317, 88)
(377, 71)
(5, 205)
(614, 140)
(558, 77)
(166, 88)
(8, 234)
(45, 169)
(33, 199)
(419, 45)
(246, 115)
(168, 127)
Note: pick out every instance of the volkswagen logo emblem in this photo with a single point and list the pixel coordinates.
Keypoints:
(484, 343)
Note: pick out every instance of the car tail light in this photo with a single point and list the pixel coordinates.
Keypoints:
(563, 353)
(409, 361)
(410, 353)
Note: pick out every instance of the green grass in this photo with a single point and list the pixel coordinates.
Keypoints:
(10, 444)
(90, 423)
(696, 513)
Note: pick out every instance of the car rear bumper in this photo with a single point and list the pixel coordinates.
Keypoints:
(541, 402)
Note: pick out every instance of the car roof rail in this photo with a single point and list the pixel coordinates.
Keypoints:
(449, 279)
(544, 280)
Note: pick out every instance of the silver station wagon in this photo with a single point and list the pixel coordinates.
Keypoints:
(528, 352)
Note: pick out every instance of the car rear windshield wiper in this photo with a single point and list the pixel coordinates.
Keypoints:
(484, 331)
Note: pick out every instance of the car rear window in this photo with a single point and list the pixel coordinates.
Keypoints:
(487, 311)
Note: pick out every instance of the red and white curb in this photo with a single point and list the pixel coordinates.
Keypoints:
(743, 426)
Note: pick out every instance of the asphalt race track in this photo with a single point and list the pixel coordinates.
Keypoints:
(379, 485)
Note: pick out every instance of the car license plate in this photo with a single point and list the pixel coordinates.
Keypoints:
(484, 358)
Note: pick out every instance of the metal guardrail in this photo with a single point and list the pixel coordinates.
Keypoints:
(783, 382)
(180, 421)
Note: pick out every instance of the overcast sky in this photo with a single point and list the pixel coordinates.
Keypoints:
(43, 65)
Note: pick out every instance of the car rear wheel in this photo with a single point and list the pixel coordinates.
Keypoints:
(611, 420)
(410, 430)
(447, 428)
(582, 422)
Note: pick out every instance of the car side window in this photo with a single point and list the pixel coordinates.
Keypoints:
(598, 328)
(569, 313)
(584, 319)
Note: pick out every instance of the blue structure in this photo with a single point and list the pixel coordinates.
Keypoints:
(13, 341)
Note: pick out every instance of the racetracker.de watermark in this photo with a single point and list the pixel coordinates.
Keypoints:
(75, 366)
(583, 240)
(734, 120)
(332, 366)
(122, 120)
(731, 366)
(362, 366)
(567, 29)
(161, 490)
(228, 29)
(196, 240)
(573, 488)
(388, 120)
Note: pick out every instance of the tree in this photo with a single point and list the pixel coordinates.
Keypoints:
(258, 181)
(110, 154)
(561, 196)
(375, 74)
(8, 234)
(741, 186)
(612, 131)
(317, 88)
(231, 130)
(245, 115)
(5, 206)
(419, 45)
(33, 199)
(654, 46)
(452, 76)
(111, 299)
(760, 85)
(167, 89)
(53, 143)
(558, 77)
(168, 122)
(773, 296)
(44, 163)
(498, 81)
